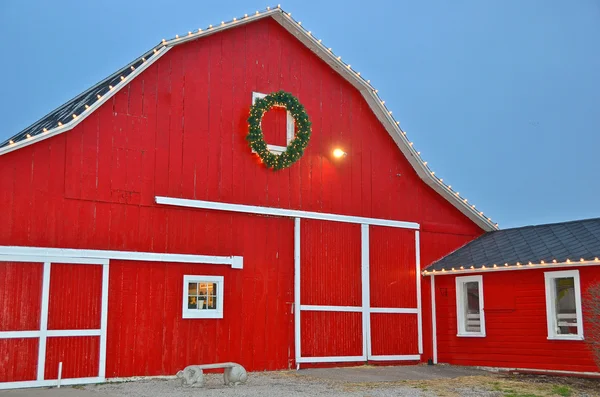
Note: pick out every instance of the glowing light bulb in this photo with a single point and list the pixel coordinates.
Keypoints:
(338, 153)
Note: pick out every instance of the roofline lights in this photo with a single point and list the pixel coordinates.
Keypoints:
(395, 123)
(518, 265)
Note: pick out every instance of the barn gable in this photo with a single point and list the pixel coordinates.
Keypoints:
(75, 111)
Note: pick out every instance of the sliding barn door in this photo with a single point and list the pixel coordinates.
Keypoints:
(394, 294)
(52, 321)
(357, 287)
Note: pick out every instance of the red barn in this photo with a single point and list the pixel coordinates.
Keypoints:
(141, 232)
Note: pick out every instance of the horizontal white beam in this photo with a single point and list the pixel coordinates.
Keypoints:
(49, 333)
(19, 334)
(52, 259)
(74, 332)
(317, 308)
(332, 359)
(394, 310)
(252, 209)
(502, 268)
(414, 357)
(49, 382)
(101, 257)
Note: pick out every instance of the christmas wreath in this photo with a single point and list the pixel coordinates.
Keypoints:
(256, 139)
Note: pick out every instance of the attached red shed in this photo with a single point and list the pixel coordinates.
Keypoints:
(141, 233)
(526, 298)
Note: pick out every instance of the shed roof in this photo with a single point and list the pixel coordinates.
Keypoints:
(542, 245)
(77, 109)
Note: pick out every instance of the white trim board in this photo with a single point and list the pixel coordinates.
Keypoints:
(258, 210)
(26, 254)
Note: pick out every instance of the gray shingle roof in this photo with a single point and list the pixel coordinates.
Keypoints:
(560, 242)
(64, 113)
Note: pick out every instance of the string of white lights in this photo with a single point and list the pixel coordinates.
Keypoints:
(517, 265)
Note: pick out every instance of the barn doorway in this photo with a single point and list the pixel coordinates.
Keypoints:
(53, 320)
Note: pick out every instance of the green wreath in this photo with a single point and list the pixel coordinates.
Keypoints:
(256, 139)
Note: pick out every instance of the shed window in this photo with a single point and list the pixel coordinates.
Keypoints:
(469, 306)
(202, 296)
(563, 305)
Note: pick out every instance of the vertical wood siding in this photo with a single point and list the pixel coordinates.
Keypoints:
(331, 334)
(257, 325)
(394, 334)
(330, 263)
(515, 320)
(75, 296)
(20, 296)
(79, 356)
(18, 359)
(179, 130)
(392, 267)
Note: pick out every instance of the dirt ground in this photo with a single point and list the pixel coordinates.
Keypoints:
(444, 382)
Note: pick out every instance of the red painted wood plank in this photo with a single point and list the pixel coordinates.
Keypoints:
(318, 328)
(18, 359)
(79, 356)
(20, 296)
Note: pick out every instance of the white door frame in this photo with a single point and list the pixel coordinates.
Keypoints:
(365, 308)
(43, 333)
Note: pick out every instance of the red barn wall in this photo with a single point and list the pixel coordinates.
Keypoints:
(515, 322)
(178, 129)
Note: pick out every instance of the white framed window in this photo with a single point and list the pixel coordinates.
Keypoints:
(202, 297)
(290, 127)
(563, 305)
(469, 306)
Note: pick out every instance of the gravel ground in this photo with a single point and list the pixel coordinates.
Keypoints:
(273, 384)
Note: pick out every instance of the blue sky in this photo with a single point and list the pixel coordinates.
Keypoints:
(502, 97)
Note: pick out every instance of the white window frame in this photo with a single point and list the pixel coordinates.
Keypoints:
(460, 303)
(290, 127)
(205, 313)
(551, 304)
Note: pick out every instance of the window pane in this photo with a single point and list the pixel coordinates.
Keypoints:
(192, 302)
(566, 313)
(471, 299)
(212, 302)
(192, 290)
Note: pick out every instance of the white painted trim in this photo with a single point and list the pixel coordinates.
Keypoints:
(253, 209)
(365, 270)
(104, 321)
(394, 310)
(74, 332)
(411, 357)
(297, 307)
(41, 363)
(74, 122)
(101, 256)
(418, 276)
(49, 383)
(19, 334)
(205, 313)
(460, 320)
(290, 125)
(52, 333)
(551, 304)
(319, 308)
(51, 259)
(535, 266)
(332, 359)
(433, 321)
